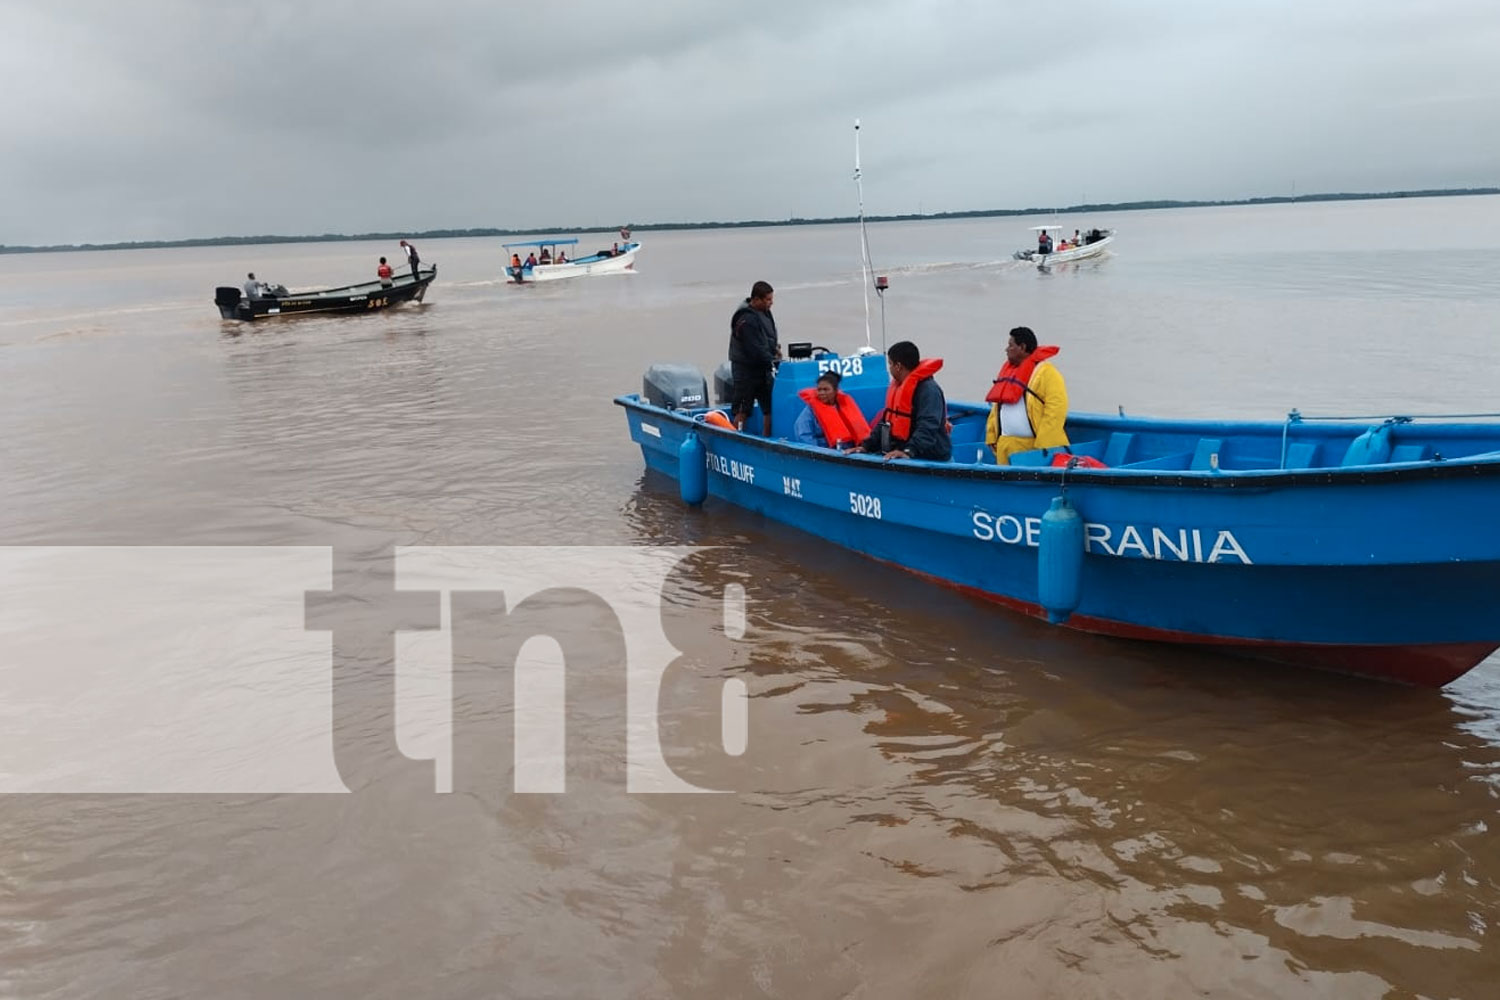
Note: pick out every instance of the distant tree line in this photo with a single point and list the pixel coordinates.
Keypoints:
(438, 234)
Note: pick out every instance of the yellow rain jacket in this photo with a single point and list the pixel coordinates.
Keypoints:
(1046, 408)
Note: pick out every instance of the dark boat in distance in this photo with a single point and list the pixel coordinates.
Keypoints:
(364, 297)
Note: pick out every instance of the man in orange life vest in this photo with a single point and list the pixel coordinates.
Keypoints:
(914, 423)
(832, 418)
(1030, 400)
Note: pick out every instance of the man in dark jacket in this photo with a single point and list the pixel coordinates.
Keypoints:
(914, 423)
(753, 350)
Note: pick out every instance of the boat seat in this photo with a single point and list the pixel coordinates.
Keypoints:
(1093, 449)
(1117, 452)
(1169, 463)
(1373, 447)
(968, 428)
(1206, 448)
(1301, 455)
(1040, 456)
(1409, 453)
(1044, 456)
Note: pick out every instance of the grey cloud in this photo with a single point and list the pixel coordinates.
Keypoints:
(170, 118)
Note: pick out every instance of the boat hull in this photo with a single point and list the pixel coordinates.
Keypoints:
(1063, 256)
(370, 296)
(1281, 568)
(584, 267)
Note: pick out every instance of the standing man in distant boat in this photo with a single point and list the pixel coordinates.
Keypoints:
(412, 258)
(253, 289)
(754, 350)
(1029, 400)
(914, 423)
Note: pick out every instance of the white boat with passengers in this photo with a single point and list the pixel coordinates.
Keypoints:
(1082, 244)
(552, 259)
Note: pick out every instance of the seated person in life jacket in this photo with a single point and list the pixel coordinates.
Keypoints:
(383, 272)
(914, 422)
(515, 261)
(1029, 400)
(831, 418)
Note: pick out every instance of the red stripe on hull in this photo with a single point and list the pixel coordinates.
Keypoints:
(1421, 664)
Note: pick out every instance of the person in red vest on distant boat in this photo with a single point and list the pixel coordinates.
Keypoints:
(914, 422)
(832, 418)
(383, 272)
(1029, 400)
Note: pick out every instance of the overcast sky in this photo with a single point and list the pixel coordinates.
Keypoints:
(171, 119)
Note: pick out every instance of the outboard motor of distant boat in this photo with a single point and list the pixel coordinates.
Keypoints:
(675, 387)
(228, 301)
(724, 384)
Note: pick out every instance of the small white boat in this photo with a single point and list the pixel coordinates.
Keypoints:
(1090, 243)
(555, 261)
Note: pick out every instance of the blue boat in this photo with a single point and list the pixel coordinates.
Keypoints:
(1366, 547)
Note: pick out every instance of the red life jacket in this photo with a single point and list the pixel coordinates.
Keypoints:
(383, 271)
(1014, 381)
(1062, 458)
(841, 424)
(898, 398)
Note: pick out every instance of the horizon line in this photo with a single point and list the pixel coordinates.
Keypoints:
(456, 233)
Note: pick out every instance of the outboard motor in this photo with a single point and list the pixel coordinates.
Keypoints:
(724, 384)
(675, 387)
(228, 301)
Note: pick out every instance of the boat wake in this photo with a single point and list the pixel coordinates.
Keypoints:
(940, 266)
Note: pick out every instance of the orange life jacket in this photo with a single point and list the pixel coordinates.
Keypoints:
(841, 424)
(383, 271)
(717, 419)
(1014, 381)
(898, 398)
(515, 261)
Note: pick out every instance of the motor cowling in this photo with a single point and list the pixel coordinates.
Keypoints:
(675, 387)
(724, 384)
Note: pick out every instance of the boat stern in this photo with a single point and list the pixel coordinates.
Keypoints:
(229, 300)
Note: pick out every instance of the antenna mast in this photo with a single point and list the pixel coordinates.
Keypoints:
(866, 267)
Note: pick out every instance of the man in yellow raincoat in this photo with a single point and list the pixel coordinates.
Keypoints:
(1029, 400)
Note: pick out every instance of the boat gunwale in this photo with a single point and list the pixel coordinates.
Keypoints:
(1486, 464)
(424, 276)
